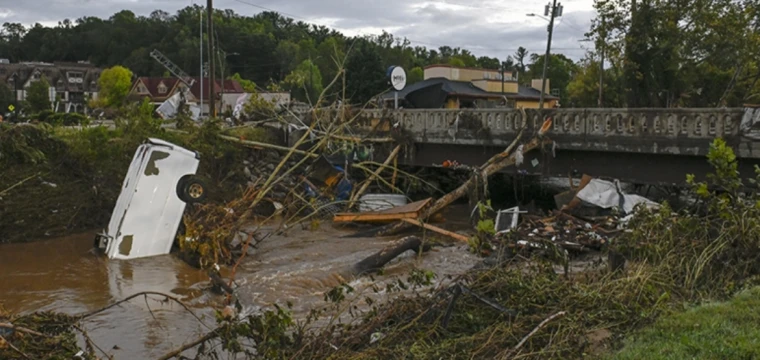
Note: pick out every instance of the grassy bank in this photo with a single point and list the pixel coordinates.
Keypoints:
(723, 330)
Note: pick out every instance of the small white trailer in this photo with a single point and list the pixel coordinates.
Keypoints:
(159, 184)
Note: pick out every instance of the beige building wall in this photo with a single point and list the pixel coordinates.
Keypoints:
(495, 86)
(460, 74)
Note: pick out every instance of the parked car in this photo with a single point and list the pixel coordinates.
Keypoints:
(160, 182)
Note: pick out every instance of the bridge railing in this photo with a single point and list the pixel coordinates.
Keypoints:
(701, 123)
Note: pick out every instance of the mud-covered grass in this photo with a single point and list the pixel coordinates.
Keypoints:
(55, 181)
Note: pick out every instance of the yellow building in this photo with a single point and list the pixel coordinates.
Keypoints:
(446, 86)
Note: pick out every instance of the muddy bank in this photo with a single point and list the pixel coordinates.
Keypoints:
(58, 181)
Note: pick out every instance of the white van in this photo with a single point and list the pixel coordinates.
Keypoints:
(159, 183)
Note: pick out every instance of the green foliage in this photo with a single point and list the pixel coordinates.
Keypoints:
(365, 69)
(583, 89)
(725, 330)
(485, 229)
(560, 71)
(258, 108)
(114, 84)
(703, 55)
(415, 75)
(696, 249)
(38, 96)
(7, 98)
(305, 82)
(248, 85)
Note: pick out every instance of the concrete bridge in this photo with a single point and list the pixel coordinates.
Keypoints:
(647, 146)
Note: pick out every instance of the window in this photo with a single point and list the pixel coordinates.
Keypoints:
(141, 89)
(162, 88)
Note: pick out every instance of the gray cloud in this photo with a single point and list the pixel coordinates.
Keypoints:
(486, 27)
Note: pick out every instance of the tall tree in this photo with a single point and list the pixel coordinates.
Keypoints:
(365, 69)
(6, 98)
(38, 96)
(560, 72)
(305, 82)
(114, 84)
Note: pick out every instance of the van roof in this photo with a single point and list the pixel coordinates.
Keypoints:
(160, 142)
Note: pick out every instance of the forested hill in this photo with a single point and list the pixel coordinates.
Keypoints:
(264, 48)
(657, 54)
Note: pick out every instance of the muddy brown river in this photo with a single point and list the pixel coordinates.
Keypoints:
(65, 275)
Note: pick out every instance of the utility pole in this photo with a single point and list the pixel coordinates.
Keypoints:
(601, 63)
(555, 10)
(211, 70)
(503, 63)
(200, 101)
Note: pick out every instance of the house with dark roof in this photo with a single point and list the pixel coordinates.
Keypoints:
(446, 86)
(71, 84)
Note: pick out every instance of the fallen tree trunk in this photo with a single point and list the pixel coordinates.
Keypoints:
(377, 261)
(494, 165)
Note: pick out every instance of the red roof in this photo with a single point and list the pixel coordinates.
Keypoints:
(230, 87)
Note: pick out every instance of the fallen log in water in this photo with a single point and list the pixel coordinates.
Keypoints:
(390, 252)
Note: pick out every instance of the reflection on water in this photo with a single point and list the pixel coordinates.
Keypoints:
(65, 275)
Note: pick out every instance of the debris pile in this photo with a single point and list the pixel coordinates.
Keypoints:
(563, 230)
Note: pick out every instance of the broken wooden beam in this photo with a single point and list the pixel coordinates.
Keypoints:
(408, 211)
(450, 234)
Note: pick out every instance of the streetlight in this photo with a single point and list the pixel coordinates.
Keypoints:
(536, 15)
(554, 10)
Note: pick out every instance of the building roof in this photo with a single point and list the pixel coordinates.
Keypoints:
(459, 67)
(460, 88)
(230, 87)
(61, 76)
(152, 83)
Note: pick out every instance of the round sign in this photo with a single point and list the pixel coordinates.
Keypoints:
(11, 107)
(398, 78)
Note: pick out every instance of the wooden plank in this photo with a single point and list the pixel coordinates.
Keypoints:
(411, 210)
(438, 230)
(363, 217)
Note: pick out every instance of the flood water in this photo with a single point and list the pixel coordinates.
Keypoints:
(64, 275)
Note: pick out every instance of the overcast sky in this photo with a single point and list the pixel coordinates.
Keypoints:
(486, 27)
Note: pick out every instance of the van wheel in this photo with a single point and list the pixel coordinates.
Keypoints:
(191, 189)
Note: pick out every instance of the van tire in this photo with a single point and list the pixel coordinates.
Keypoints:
(191, 190)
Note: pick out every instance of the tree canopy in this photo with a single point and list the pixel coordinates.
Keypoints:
(114, 84)
(38, 96)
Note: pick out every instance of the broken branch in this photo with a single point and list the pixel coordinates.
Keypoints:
(451, 234)
(196, 342)
(539, 327)
(144, 293)
(15, 348)
(21, 329)
(375, 174)
(267, 146)
(18, 184)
